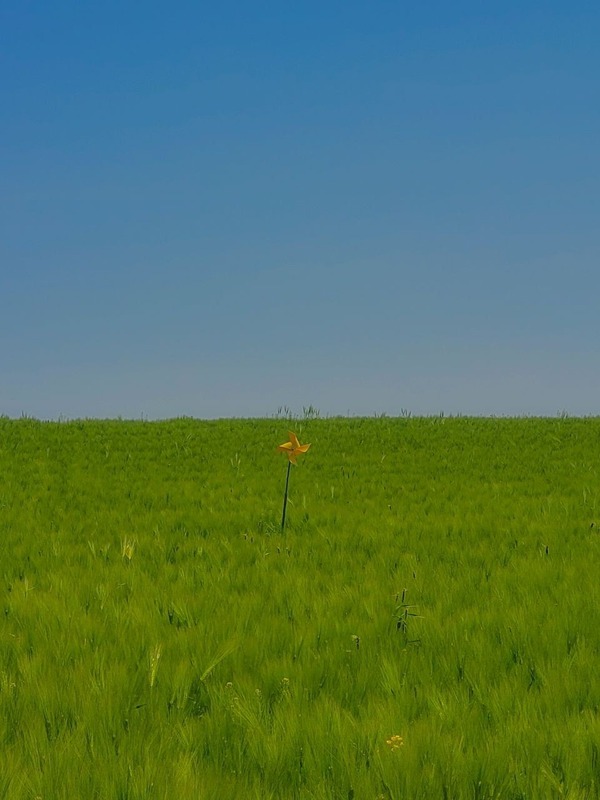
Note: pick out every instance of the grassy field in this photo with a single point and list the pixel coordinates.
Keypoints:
(438, 582)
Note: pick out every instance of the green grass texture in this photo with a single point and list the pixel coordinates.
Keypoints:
(437, 581)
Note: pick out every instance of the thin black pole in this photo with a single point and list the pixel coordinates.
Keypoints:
(287, 480)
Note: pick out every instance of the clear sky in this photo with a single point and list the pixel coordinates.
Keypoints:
(221, 209)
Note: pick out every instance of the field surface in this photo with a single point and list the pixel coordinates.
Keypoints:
(427, 626)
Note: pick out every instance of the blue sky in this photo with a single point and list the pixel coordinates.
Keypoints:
(224, 209)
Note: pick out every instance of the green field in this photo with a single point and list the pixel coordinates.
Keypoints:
(438, 580)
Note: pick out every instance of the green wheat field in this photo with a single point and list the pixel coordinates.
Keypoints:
(437, 582)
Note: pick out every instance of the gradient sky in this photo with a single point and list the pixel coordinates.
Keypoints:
(221, 209)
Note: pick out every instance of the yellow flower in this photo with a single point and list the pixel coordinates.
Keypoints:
(293, 448)
(394, 742)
